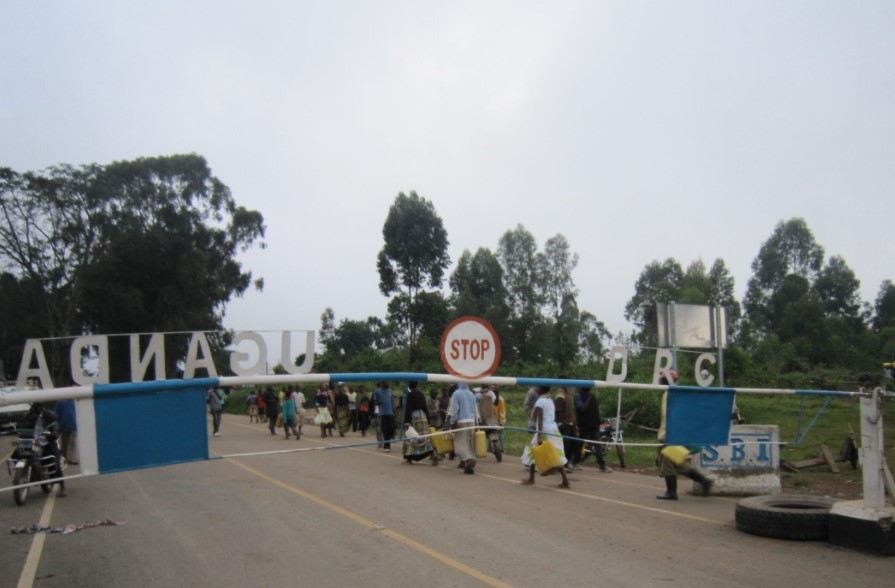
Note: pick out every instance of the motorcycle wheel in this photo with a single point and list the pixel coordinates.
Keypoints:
(36, 476)
(496, 447)
(21, 476)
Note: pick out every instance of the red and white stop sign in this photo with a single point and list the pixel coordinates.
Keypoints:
(470, 348)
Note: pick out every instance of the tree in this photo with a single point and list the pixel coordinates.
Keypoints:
(884, 307)
(44, 237)
(593, 339)
(790, 250)
(658, 282)
(327, 334)
(722, 294)
(477, 289)
(560, 295)
(134, 246)
(667, 282)
(524, 275)
(414, 256)
(21, 318)
(695, 285)
(839, 291)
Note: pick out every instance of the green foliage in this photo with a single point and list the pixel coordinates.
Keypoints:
(884, 307)
(477, 289)
(134, 246)
(413, 257)
(658, 282)
(524, 276)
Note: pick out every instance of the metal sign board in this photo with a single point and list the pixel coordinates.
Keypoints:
(691, 326)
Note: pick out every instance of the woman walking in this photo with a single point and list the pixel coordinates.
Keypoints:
(342, 407)
(544, 417)
(363, 411)
(289, 415)
(323, 418)
(416, 415)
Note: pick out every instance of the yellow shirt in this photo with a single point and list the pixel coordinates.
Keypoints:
(500, 411)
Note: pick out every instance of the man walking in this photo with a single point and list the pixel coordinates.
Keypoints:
(462, 417)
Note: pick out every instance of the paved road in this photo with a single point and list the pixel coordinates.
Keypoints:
(359, 517)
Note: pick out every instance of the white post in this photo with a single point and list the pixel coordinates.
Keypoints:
(871, 451)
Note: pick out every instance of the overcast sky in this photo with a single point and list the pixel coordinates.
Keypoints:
(639, 130)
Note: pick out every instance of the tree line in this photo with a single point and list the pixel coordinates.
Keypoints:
(801, 323)
(151, 245)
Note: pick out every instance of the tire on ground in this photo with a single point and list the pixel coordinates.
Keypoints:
(797, 517)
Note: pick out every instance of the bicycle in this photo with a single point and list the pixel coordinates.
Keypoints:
(612, 433)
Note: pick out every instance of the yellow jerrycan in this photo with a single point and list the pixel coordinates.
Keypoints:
(481, 444)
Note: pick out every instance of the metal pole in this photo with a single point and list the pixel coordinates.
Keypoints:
(719, 333)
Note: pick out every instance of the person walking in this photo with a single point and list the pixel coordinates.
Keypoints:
(444, 401)
(567, 429)
(342, 404)
(252, 407)
(384, 401)
(462, 416)
(213, 399)
(588, 409)
(528, 405)
(324, 418)
(500, 411)
(547, 431)
(331, 395)
(352, 410)
(416, 417)
(262, 407)
(68, 430)
(674, 459)
(271, 408)
(300, 400)
(432, 409)
(363, 411)
(488, 416)
(289, 415)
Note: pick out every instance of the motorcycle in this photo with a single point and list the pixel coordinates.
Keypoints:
(33, 460)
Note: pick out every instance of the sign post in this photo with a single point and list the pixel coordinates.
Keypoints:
(470, 348)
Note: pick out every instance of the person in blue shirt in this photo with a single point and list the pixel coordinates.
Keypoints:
(383, 400)
(462, 416)
(68, 430)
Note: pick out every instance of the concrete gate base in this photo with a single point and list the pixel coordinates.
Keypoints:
(862, 528)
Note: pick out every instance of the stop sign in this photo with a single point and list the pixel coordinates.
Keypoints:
(470, 348)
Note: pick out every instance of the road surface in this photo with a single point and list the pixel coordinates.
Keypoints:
(355, 516)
